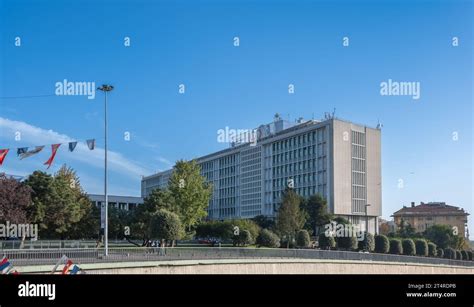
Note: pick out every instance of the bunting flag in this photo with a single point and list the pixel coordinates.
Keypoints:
(21, 151)
(91, 144)
(54, 149)
(6, 267)
(69, 267)
(3, 154)
(31, 152)
(72, 145)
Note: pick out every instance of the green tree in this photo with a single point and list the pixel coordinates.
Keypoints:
(317, 213)
(382, 244)
(367, 243)
(244, 238)
(166, 225)
(432, 251)
(246, 224)
(406, 230)
(59, 202)
(266, 238)
(290, 217)
(441, 235)
(409, 247)
(302, 238)
(450, 253)
(326, 242)
(190, 191)
(396, 247)
(421, 247)
(160, 199)
(264, 222)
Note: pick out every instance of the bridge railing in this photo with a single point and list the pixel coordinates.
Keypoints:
(21, 257)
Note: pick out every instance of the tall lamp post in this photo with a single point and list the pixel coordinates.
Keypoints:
(106, 88)
(366, 227)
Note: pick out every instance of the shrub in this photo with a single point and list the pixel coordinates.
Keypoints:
(302, 238)
(440, 252)
(421, 247)
(396, 247)
(469, 255)
(243, 238)
(409, 248)
(347, 243)
(284, 242)
(245, 224)
(464, 255)
(166, 225)
(326, 242)
(382, 244)
(449, 253)
(458, 255)
(368, 242)
(267, 238)
(432, 252)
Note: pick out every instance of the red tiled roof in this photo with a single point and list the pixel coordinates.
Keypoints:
(431, 209)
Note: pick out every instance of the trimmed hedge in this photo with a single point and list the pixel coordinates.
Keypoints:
(243, 238)
(396, 247)
(409, 247)
(449, 253)
(266, 238)
(464, 255)
(326, 242)
(382, 244)
(458, 255)
(432, 252)
(469, 255)
(440, 252)
(302, 238)
(421, 247)
(347, 243)
(369, 242)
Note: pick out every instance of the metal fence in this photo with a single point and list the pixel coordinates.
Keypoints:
(92, 255)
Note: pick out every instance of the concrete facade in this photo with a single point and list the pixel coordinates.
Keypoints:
(338, 159)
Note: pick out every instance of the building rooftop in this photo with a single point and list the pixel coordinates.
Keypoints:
(431, 208)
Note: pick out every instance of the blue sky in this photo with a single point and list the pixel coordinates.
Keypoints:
(281, 42)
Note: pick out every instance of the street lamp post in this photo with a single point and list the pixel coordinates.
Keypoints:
(366, 227)
(106, 88)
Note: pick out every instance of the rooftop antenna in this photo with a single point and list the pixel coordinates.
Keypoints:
(379, 124)
(333, 112)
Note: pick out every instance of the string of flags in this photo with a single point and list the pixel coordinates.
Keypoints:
(26, 152)
(6, 267)
(69, 267)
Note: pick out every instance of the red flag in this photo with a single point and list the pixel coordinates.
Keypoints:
(66, 267)
(54, 149)
(3, 154)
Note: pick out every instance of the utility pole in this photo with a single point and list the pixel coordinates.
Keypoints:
(106, 88)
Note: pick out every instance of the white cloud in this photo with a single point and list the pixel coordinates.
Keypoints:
(38, 136)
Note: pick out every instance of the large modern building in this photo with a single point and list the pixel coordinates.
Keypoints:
(335, 158)
(426, 215)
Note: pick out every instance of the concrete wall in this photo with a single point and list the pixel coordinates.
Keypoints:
(374, 172)
(260, 266)
(290, 267)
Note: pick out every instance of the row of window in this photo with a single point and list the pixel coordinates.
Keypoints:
(302, 139)
(305, 152)
(319, 163)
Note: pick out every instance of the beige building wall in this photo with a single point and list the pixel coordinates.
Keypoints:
(341, 167)
(374, 171)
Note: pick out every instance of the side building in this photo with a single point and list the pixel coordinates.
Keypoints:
(338, 159)
(426, 215)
